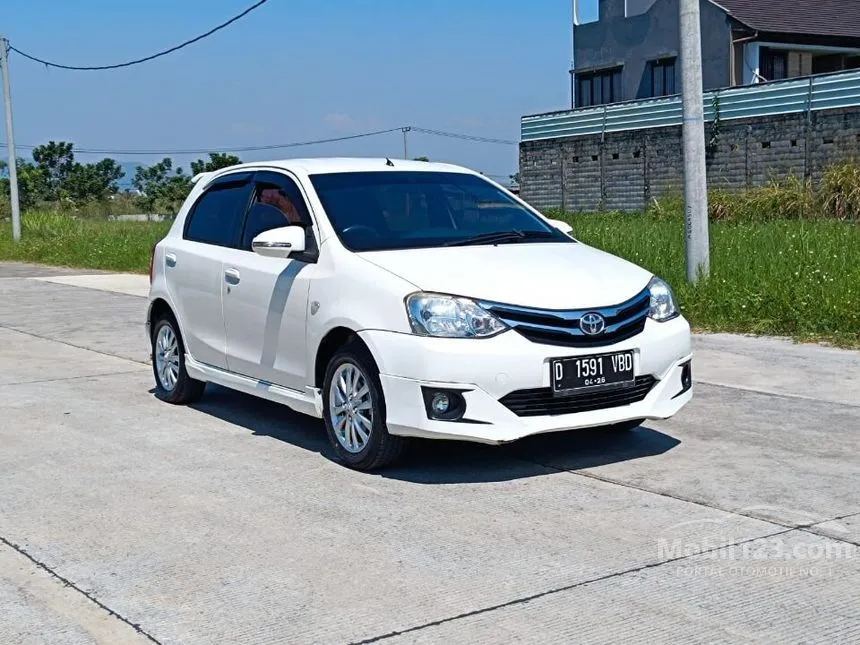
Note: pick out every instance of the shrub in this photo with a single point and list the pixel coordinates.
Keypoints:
(5, 206)
(669, 207)
(786, 198)
(835, 196)
(839, 191)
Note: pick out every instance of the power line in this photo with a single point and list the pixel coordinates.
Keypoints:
(466, 137)
(146, 58)
(274, 146)
(199, 151)
(277, 146)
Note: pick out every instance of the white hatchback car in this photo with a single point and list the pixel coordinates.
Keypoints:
(401, 299)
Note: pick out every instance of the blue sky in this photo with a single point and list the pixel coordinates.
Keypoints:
(292, 70)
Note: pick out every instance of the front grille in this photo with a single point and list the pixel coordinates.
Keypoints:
(561, 327)
(542, 401)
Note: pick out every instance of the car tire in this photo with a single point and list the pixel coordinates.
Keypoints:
(354, 411)
(624, 426)
(172, 383)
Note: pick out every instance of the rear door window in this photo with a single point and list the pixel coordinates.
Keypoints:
(218, 214)
(277, 202)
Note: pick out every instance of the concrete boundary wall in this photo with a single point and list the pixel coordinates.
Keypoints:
(626, 170)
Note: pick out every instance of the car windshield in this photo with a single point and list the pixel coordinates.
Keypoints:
(378, 211)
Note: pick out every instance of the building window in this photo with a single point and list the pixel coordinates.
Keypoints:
(663, 77)
(827, 63)
(598, 88)
(774, 64)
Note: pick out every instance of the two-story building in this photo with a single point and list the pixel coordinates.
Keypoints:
(631, 51)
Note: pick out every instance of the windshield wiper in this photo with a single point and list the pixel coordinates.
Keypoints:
(500, 237)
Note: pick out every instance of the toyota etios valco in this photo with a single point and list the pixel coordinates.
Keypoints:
(400, 299)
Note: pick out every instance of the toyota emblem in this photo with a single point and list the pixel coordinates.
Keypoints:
(592, 323)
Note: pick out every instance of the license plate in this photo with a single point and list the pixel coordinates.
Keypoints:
(580, 372)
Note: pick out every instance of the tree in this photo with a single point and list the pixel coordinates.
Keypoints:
(94, 181)
(217, 160)
(421, 159)
(515, 179)
(63, 178)
(32, 183)
(163, 188)
(56, 161)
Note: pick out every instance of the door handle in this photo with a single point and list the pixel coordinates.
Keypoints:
(170, 259)
(232, 276)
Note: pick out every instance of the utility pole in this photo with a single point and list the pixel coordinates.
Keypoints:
(695, 168)
(574, 10)
(10, 141)
(405, 142)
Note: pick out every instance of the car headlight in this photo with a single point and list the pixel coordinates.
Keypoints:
(663, 305)
(450, 317)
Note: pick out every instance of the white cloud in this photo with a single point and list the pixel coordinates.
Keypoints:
(341, 122)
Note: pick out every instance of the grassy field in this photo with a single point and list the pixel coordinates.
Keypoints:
(57, 239)
(798, 278)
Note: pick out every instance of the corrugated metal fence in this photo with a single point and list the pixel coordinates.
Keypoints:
(811, 93)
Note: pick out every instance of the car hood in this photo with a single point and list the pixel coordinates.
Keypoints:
(549, 276)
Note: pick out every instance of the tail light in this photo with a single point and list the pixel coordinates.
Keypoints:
(152, 263)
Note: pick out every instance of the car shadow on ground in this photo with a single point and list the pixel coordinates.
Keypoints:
(265, 418)
(447, 462)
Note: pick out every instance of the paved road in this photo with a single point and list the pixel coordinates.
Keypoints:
(126, 520)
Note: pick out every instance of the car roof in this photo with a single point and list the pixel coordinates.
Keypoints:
(325, 165)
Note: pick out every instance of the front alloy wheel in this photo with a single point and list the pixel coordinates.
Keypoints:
(350, 408)
(354, 411)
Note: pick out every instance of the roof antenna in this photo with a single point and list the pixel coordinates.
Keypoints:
(388, 162)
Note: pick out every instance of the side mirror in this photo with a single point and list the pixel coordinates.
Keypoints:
(562, 226)
(279, 242)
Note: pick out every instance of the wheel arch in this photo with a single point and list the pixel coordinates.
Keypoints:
(158, 308)
(333, 340)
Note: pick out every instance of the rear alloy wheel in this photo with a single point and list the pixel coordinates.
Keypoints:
(172, 383)
(166, 358)
(354, 411)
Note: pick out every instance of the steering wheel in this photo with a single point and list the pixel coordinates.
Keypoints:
(359, 227)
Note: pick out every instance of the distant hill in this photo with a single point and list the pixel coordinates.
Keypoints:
(129, 168)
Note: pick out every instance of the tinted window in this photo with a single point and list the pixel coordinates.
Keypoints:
(597, 88)
(583, 95)
(658, 80)
(399, 210)
(218, 214)
(663, 77)
(277, 202)
(774, 64)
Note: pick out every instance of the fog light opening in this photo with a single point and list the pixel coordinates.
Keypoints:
(686, 377)
(444, 405)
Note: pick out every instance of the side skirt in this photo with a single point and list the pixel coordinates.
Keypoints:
(308, 402)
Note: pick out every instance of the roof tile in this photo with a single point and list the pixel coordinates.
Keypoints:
(837, 18)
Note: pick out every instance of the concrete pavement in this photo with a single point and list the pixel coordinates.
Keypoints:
(125, 520)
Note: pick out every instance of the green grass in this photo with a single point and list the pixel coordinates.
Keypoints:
(798, 278)
(56, 239)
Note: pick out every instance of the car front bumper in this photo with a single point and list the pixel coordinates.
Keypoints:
(489, 370)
